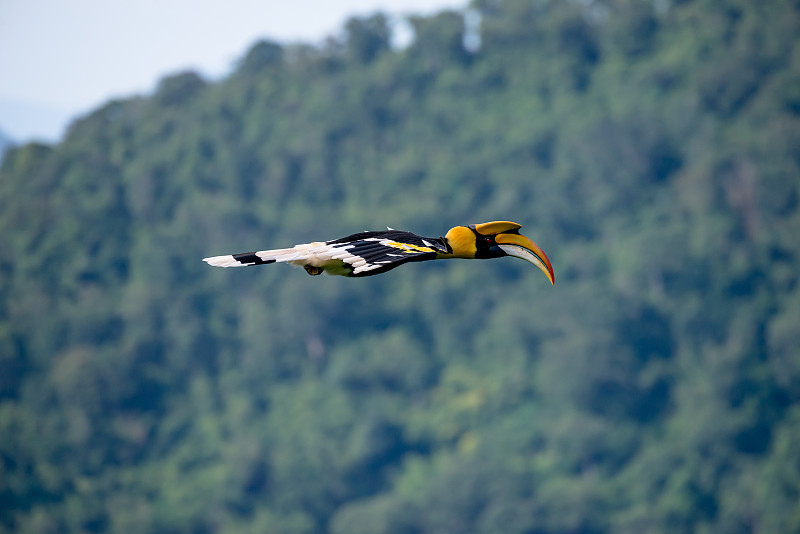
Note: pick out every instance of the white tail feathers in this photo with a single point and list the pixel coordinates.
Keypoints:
(304, 254)
(224, 261)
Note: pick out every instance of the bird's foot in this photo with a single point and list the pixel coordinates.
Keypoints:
(312, 270)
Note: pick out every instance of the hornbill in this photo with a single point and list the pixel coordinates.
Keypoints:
(368, 253)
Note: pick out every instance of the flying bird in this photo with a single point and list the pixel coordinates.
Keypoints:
(369, 253)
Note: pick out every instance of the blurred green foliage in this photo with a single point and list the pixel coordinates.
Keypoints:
(651, 148)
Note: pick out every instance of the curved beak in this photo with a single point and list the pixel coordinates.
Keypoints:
(519, 246)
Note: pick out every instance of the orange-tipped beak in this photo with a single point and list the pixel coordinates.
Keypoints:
(519, 246)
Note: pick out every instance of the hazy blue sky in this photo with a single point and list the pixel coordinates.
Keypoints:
(61, 58)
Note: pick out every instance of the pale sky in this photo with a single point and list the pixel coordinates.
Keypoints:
(63, 58)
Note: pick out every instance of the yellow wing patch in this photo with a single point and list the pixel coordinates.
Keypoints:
(407, 247)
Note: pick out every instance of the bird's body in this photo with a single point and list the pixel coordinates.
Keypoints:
(369, 253)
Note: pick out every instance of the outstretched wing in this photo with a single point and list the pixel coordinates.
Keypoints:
(363, 254)
(371, 253)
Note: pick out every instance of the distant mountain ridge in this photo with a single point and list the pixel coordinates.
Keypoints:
(5, 140)
(5, 143)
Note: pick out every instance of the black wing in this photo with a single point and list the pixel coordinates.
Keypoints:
(372, 253)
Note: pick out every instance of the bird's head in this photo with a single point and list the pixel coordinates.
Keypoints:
(494, 240)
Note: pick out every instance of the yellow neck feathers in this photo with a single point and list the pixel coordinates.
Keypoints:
(462, 240)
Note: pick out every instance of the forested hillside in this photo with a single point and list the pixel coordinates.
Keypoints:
(652, 148)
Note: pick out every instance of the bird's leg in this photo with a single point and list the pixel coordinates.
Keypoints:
(312, 270)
